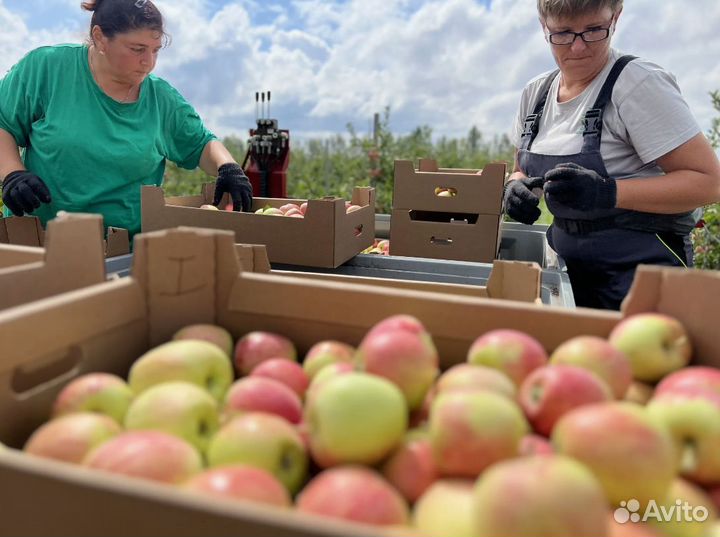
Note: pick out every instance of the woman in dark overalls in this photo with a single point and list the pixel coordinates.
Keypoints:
(623, 164)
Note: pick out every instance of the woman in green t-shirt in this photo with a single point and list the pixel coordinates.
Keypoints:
(96, 125)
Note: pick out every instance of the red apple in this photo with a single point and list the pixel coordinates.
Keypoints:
(152, 455)
(475, 377)
(629, 450)
(289, 206)
(260, 394)
(469, 431)
(541, 496)
(402, 351)
(71, 437)
(411, 467)
(353, 493)
(207, 332)
(327, 352)
(95, 392)
(256, 347)
(695, 377)
(597, 355)
(291, 374)
(549, 392)
(240, 482)
(534, 444)
(513, 352)
(655, 344)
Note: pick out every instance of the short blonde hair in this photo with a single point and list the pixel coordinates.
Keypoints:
(573, 8)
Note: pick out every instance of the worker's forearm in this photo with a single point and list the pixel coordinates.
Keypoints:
(9, 155)
(213, 156)
(676, 192)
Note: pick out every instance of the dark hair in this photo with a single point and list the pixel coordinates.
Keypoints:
(121, 16)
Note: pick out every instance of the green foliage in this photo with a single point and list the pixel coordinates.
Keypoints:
(706, 240)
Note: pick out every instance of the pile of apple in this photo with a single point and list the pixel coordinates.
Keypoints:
(378, 247)
(513, 442)
(298, 211)
(445, 192)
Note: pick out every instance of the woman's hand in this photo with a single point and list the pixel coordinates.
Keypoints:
(23, 192)
(577, 187)
(231, 178)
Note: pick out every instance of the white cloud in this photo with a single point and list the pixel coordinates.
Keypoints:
(449, 64)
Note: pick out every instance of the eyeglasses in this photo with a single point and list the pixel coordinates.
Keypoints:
(589, 36)
(140, 3)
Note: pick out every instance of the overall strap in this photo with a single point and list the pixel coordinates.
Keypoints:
(532, 121)
(592, 122)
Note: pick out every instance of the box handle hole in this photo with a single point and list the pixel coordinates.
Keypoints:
(445, 192)
(357, 230)
(30, 378)
(441, 241)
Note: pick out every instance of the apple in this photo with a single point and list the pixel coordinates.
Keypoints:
(355, 418)
(71, 437)
(513, 352)
(420, 416)
(475, 377)
(180, 408)
(384, 246)
(199, 362)
(549, 392)
(632, 529)
(534, 444)
(209, 207)
(289, 206)
(411, 467)
(264, 441)
(152, 455)
(402, 351)
(259, 394)
(628, 449)
(240, 482)
(94, 392)
(353, 208)
(295, 212)
(207, 332)
(445, 194)
(693, 418)
(693, 513)
(272, 211)
(258, 346)
(469, 431)
(353, 493)
(714, 493)
(697, 377)
(597, 355)
(655, 344)
(291, 374)
(260, 211)
(639, 392)
(446, 508)
(542, 496)
(325, 374)
(303, 207)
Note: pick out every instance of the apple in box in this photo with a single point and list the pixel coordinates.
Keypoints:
(513, 352)
(152, 455)
(199, 362)
(698, 377)
(327, 352)
(469, 377)
(240, 482)
(353, 493)
(179, 408)
(71, 437)
(446, 508)
(411, 467)
(258, 394)
(95, 392)
(291, 374)
(258, 346)
(207, 332)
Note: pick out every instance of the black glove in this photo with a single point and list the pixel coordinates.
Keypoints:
(519, 202)
(580, 188)
(231, 178)
(23, 192)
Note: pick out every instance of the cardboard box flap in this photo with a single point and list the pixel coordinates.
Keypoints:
(74, 258)
(22, 230)
(12, 255)
(691, 296)
(363, 195)
(117, 242)
(515, 280)
(253, 257)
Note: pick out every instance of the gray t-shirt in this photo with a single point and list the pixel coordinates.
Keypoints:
(646, 118)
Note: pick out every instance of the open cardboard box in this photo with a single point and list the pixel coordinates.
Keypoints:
(188, 276)
(326, 237)
(463, 227)
(28, 231)
(72, 258)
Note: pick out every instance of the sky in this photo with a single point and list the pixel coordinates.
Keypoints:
(447, 64)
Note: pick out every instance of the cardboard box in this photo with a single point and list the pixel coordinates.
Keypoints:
(72, 258)
(326, 237)
(28, 231)
(188, 276)
(465, 226)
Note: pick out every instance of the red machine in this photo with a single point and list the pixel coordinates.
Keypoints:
(268, 154)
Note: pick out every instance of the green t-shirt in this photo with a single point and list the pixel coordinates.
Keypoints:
(93, 152)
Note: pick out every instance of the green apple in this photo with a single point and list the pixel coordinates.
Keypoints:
(686, 511)
(178, 408)
(539, 496)
(264, 441)
(95, 392)
(355, 418)
(655, 344)
(199, 362)
(324, 353)
(446, 508)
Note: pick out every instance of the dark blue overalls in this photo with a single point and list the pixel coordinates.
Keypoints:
(602, 248)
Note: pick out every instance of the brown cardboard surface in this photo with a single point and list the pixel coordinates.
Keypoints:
(72, 258)
(326, 237)
(460, 241)
(21, 230)
(184, 276)
(11, 255)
